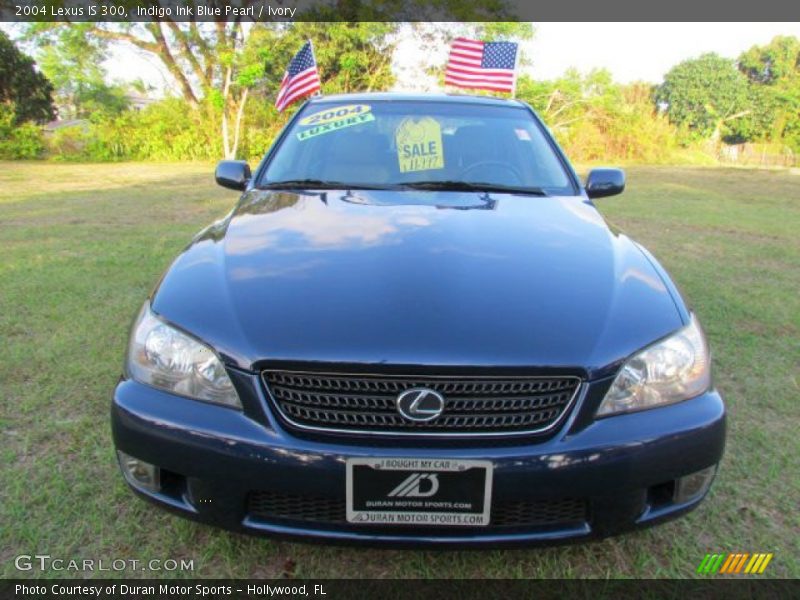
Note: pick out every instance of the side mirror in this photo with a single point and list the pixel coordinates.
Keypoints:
(233, 174)
(605, 182)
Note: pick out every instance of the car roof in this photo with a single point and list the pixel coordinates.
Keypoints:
(418, 97)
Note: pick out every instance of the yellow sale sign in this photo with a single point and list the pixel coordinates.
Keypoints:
(419, 144)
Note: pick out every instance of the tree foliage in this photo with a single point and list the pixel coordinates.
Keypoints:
(706, 95)
(227, 76)
(200, 57)
(220, 64)
(72, 60)
(22, 86)
(350, 56)
(595, 118)
(777, 63)
(216, 63)
(774, 70)
(18, 140)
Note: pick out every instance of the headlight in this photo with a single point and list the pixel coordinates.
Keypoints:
(162, 356)
(676, 368)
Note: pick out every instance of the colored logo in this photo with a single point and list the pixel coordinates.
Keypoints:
(735, 563)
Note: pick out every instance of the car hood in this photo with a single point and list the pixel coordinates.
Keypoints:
(418, 278)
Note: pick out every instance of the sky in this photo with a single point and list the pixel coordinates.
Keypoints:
(640, 51)
(631, 51)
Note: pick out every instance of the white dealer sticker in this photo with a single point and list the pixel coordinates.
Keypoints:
(418, 491)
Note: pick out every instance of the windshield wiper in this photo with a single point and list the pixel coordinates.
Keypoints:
(321, 184)
(472, 186)
(449, 186)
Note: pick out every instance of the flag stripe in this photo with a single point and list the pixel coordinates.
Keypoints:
(294, 91)
(470, 57)
(459, 70)
(467, 43)
(298, 80)
(300, 92)
(474, 46)
(468, 50)
(462, 64)
(301, 77)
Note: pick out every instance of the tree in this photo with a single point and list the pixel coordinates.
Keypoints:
(216, 63)
(22, 86)
(707, 95)
(350, 56)
(71, 61)
(774, 72)
(571, 98)
(776, 63)
(222, 62)
(200, 57)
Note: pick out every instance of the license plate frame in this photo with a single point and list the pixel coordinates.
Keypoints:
(397, 491)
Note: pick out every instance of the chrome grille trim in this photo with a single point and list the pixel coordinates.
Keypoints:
(332, 393)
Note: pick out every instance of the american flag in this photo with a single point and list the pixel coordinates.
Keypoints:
(482, 65)
(300, 79)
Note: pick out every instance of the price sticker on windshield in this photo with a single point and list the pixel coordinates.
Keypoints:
(419, 144)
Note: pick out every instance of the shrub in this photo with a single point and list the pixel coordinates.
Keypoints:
(166, 130)
(23, 141)
(68, 143)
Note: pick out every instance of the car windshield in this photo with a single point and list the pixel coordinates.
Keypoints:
(394, 144)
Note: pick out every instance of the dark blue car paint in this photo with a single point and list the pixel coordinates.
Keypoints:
(224, 454)
(297, 276)
(418, 282)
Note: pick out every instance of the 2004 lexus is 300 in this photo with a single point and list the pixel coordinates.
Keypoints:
(415, 328)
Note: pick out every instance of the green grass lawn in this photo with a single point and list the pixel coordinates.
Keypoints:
(82, 245)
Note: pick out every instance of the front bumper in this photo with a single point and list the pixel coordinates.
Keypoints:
(214, 459)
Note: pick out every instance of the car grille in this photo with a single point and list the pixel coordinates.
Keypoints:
(271, 505)
(367, 403)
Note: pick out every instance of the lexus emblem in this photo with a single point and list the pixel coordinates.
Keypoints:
(420, 404)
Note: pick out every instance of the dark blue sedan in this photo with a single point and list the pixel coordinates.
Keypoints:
(416, 328)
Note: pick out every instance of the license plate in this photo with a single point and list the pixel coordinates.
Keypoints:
(418, 491)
